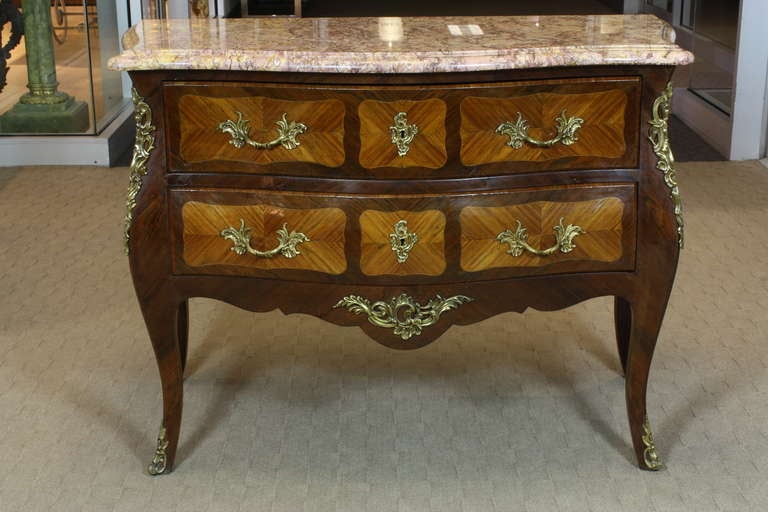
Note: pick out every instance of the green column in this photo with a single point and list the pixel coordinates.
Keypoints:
(44, 109)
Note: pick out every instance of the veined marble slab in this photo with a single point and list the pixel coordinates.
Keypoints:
(398, 45)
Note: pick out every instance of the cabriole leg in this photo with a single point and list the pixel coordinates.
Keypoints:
(163, 322)
(622, 316)
(643, 331)
(183, 332)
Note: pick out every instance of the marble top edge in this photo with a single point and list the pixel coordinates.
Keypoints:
(399, 45)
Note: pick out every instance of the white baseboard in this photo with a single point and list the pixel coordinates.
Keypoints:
(103, 150)
(709, 123)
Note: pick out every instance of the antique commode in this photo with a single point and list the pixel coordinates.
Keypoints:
(403, 175)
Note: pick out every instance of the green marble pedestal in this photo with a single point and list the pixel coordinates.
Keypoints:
(43, 109)
(68, 116)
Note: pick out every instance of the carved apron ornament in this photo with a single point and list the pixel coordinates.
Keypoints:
(405, 316)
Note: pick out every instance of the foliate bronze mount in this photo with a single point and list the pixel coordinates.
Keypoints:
(287, 131)
(517, 132)
(160, 460)
(659, 137)
(142, 148)
(402, 133)
(287, 242)
(403, 314)
(518, 240)
(650, 457)
(402, 241)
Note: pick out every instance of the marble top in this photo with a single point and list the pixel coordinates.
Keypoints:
(398, 45)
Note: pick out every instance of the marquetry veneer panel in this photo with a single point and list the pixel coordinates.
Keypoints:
(203, 244)
(602, 134)
(428, 147)
(601, 219)
(427, 257)
(200, 139)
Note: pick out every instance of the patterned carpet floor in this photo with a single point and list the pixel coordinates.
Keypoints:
(288, 413)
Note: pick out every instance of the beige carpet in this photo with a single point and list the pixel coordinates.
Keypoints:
(518, 413)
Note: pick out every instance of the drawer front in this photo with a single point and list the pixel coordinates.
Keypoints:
(569, 125)
(226, 128)
(262, 236)
(538, 234)
(402, 134)
(406, 239)
(402, 243)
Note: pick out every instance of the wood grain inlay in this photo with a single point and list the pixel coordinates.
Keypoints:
(426, 258)
(200, 139)
(600, 218)
(203, 244)
(428, 147)
(602, 134)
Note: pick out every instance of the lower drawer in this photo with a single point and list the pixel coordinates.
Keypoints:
(263, 236)
(540, 233)
(404, 239)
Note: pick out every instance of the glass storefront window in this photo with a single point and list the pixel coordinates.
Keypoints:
(665, 5)
(714, 25)
(85, 36)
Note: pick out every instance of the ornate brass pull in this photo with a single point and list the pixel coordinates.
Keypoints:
(239, 131)
(518, 132)
(402, 241)
(287, 242)
(402, 133)
(518, 240)
(402, 313)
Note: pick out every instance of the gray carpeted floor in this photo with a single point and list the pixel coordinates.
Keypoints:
(517, 413)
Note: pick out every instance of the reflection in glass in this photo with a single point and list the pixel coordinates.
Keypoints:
(660, 4)
(715, 25)
(390, 30)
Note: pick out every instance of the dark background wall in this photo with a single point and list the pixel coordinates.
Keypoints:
(456, 7)
(616, 5)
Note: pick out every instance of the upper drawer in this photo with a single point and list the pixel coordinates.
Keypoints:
(403, 132)
(227, 128)
(552, 126)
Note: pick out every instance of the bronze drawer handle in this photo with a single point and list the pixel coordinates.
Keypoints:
(287, 242)
(402, 133)
(403, 314)
(518, 132)
(518, 240)
(287, 131)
